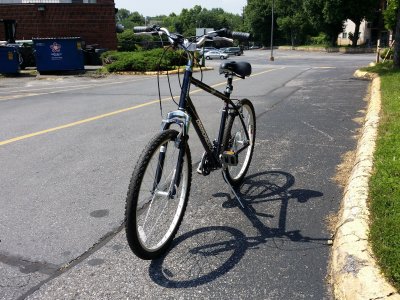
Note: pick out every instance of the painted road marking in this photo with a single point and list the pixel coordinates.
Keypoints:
(80, 122)
(22, 137)
(62, 89)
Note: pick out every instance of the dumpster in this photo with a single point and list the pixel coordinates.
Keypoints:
(58, 54)
(9, 59)
(27, 55)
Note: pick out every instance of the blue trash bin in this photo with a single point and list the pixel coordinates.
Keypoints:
(58, 54)
(9, 59)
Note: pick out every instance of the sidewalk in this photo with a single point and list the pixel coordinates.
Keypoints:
(354, 272)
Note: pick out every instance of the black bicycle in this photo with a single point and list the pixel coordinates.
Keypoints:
(160, 185)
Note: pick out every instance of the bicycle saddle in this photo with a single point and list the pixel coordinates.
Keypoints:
(240, 69)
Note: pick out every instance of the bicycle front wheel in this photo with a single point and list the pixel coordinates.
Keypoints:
(239, 138)
(158, 195)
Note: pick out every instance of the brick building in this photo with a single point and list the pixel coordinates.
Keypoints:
(92, 20)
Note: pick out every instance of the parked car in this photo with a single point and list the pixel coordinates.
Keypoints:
(254, 47)
(233, 51)
(205, 49)
(215, 54)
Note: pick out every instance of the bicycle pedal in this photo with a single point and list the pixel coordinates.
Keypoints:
(230, 158)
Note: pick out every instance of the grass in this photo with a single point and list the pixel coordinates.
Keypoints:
(385, 181)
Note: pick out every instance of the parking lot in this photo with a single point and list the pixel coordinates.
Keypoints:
(68, 145)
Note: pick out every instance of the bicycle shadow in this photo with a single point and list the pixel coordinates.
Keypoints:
(205, 254)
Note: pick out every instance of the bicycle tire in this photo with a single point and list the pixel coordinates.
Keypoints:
(234, 135)
(150, 236)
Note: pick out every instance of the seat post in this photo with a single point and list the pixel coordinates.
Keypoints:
(229, 86)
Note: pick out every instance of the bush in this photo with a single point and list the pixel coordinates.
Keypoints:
(141, 61)
(128, 41)
(320, 40)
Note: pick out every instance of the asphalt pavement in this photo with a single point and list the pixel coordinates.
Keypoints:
(68, 146)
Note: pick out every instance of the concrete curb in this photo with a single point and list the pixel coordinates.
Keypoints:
(347, 50)
(354, 272)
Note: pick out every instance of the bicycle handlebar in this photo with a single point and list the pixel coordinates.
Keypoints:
(176, 38)
(244, 36)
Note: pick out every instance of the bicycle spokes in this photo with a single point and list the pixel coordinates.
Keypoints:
(157, 196)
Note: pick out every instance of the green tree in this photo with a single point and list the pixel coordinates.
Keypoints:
(392, 22)
(122, 14)
(190, 19)
(292, 21)
(396, 57)
(390, 14)
(328, 15)
(296, 18)
(184, 23)
(129, 19)
(258, 20)
(172, 22)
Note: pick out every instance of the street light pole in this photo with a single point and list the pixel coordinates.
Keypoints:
(272, 32)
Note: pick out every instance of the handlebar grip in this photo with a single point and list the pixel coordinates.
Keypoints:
(244, 36)
(139, 29)
(233, 34)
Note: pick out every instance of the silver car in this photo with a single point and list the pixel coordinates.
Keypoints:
(215, 54)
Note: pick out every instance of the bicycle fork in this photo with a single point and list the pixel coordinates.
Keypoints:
(177, 173)
(182, 120)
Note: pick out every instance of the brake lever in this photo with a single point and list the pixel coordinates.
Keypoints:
(219, 38)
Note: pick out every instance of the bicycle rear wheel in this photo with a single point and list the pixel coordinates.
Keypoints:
(236, 141)
(155, 205)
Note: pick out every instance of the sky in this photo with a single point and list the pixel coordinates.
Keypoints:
(163, 7)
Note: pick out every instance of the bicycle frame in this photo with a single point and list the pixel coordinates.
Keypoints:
(187, 114)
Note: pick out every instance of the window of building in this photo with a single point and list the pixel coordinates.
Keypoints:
(344, 35)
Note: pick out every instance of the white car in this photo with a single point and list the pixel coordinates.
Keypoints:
(205, 49)
(215, 54)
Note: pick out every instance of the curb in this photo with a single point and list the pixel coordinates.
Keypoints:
(354, 272)
(345, 50)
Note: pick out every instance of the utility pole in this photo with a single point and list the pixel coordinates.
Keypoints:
(272, 32)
